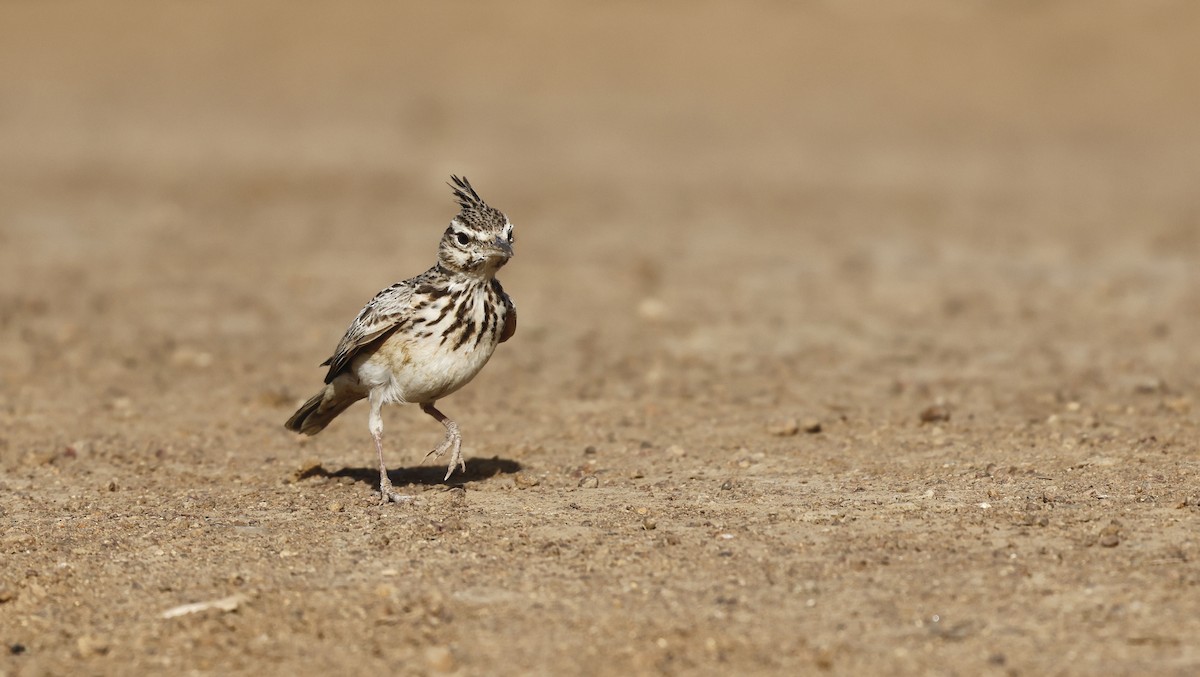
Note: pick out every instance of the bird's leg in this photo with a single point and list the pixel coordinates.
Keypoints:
(375, 423)
(452, 443)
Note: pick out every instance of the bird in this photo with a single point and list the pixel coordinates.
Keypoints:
(422, 339)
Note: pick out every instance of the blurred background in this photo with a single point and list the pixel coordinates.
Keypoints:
(809, 94)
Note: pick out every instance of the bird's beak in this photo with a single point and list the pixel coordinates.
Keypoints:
(501, 245)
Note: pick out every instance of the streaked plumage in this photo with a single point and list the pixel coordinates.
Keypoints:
(420, 340)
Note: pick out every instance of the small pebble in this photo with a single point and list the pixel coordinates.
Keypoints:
(439, 659)
(649, 524)
(589, 450)
(935, 414)
(525, 480)
(1150, 386)
(811, 426)
(783, 428)
(1179, 405)
(677, 451)
(190, 357)
(308, 468)
(1110, 536)
(589, 482)
(123, 407)
(1051, 494)
(90, 645)
(336, 507)
(726, 485)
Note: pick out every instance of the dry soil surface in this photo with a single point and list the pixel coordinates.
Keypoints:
(853, 338)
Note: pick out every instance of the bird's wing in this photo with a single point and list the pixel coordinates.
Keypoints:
(384, 314)
(510, 318)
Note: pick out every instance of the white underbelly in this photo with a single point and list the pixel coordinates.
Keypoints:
(417, 371)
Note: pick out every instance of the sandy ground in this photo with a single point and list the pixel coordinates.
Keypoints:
(853, 338)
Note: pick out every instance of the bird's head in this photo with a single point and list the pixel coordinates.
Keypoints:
(480, 239)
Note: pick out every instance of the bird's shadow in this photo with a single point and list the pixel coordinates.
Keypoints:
(477, 469)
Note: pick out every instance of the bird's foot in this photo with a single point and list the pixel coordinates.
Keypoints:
(453, 444)
(390, 495)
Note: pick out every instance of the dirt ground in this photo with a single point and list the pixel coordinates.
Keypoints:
(853, 338)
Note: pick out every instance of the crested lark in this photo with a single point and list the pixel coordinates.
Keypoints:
(420, 340)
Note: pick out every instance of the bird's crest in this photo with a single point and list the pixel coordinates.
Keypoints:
(467, 198)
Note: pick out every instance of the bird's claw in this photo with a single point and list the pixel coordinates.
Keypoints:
(455, 460)
(389, 495)
(453, 444)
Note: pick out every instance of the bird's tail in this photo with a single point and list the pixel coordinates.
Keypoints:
(312, 417)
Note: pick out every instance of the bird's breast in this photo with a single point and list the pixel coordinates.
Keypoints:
(450, 339)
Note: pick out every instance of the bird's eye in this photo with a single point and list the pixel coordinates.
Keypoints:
(510, 236)
(462, 238)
